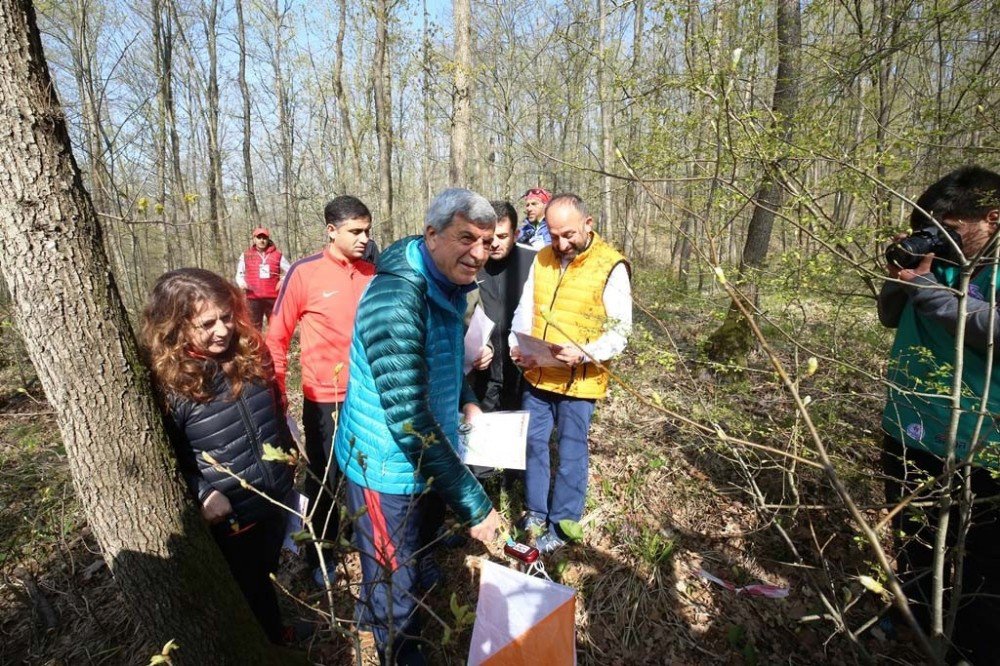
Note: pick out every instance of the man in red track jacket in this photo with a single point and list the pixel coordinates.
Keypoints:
(321, 294)
(259, 273)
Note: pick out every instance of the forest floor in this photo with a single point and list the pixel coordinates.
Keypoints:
(666, 501)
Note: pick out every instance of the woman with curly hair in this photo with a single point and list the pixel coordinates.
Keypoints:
(216, 382)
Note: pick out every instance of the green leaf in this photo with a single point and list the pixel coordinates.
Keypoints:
(572, 530)
(276, 454)
(301, 536)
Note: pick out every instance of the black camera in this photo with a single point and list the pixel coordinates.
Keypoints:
(908, 252)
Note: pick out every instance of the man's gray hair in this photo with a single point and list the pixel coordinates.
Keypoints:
(459, 201)
(570, 199)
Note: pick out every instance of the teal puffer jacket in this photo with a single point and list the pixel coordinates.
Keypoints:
(400, 419)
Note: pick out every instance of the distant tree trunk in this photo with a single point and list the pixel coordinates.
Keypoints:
(160, 139)
(241, 35)
(461, 98)
(634, 124)
(425, 171)
(343, 104)
(215, 203)
(604, 95)
(76, 330)
(732, 340)
(383, 119)
(178, 192)
(286, 134)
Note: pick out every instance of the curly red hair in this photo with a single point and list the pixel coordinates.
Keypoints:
(167, 330)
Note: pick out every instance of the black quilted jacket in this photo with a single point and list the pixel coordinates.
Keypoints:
(233, 432)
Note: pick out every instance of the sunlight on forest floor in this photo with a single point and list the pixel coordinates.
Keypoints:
(664, 503)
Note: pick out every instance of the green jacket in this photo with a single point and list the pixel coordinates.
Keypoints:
(922, 364)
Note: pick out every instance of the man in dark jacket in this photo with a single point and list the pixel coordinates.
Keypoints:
(398, 430)
(498, 387)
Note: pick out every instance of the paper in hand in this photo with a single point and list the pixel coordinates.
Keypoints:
(537, 351)
(476, 337)
(497, 439)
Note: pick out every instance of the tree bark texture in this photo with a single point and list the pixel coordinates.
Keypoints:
(241, 35)
(76, 330)
(461, 101)
(383, 119)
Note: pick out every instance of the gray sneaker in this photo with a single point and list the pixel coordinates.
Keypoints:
(549, 543)
(532, 524)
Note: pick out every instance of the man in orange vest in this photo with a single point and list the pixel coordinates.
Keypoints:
(577, 298)
(259, 273)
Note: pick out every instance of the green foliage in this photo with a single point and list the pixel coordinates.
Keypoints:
(572, 530)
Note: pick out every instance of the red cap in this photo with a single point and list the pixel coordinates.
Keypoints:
(261, 231)
(539, 193)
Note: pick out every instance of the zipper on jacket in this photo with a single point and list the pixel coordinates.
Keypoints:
(254, 442)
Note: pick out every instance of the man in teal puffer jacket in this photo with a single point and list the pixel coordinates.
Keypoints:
(397, 431)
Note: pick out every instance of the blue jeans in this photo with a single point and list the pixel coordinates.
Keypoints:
(571, 418)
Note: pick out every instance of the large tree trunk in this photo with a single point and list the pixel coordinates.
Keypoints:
(461, 118)
(731, 341)
(78, 337)
(241, 36)
(383, 120)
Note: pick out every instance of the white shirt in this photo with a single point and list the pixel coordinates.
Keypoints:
(617, 299)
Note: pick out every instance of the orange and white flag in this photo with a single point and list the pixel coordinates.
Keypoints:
(521, 619)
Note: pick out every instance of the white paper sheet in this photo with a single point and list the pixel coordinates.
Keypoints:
(497, 439)
(476, 337)
(537, 350)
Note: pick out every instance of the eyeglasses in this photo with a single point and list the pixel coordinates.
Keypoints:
(260, 236)
(534, 192)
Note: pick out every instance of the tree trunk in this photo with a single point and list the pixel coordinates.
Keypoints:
(215, 204)
(76, 330)
(286, 135)
(383, 119)
(160, 136)
(732, 340)
(634, 125)
(604, 95)
(461, 100)
(241, 35)
(425, 170)
(344, 105)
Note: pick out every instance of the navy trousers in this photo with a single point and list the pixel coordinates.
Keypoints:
(392, 534)
(571, 418)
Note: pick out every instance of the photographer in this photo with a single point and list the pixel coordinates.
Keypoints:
(922, 303)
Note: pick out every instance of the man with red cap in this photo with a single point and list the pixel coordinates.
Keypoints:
(259, 273)
(535, 232)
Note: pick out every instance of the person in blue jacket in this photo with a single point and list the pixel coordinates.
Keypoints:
(398, 430)
(923, 304)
